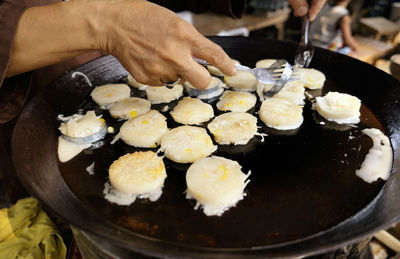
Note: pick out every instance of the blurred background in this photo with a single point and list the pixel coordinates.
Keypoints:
(375, 26)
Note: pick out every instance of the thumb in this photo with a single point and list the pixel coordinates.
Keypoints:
(300, 7)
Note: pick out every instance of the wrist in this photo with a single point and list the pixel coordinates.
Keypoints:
(81, 19)
(106, 23)
(99, 18)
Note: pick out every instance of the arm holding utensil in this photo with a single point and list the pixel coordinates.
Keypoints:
(151, 42)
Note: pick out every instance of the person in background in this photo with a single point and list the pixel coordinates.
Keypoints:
(332, 28)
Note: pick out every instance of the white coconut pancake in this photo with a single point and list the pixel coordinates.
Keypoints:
(80, 126)
(187, 144)
(215, 88)
(292, 91)
(163, 94)
(144, 130)
(233, 128)
(281, 114)
(216, 183)
(216, 72)
(261, 89)
(215, 82)
(339, 107)
(236, 101)
(311, 78)
(378, 161)
(110, 93)
(129, 108)
(67, 150)
(132, 82)
(242, 81)
(265, 63)
(192, 111)
(138, 173)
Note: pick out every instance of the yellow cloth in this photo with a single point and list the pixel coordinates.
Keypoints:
(27, 232)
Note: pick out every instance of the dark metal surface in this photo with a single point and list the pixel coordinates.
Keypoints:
(303, 198)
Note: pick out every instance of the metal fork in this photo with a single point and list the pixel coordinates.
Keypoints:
(286, 76)
(305, 50)
(270, 75)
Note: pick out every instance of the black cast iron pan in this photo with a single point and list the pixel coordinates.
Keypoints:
(303, 198)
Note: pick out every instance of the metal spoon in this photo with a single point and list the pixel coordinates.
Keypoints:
(88, 139)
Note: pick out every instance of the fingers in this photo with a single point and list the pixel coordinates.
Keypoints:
(152, 74)
(151, 60)
(301, 7)
(190, 71)
(207, 50)
(315, 8)
(196, 74)
(162, 73)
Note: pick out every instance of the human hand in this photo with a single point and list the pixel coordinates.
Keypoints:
(301, 7)
(154, 44)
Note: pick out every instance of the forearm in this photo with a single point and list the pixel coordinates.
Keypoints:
(352, 43)
(348, 39)
(151, 42)
(49, 34)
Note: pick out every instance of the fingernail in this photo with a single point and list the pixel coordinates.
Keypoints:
(233, 71)
(301, 11)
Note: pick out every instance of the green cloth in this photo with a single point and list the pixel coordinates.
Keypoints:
(27, 232)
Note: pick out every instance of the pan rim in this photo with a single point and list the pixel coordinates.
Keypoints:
(216, 251)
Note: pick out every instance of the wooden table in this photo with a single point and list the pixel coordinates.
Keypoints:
(370, 49)
(380, 26)
(210, 24)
